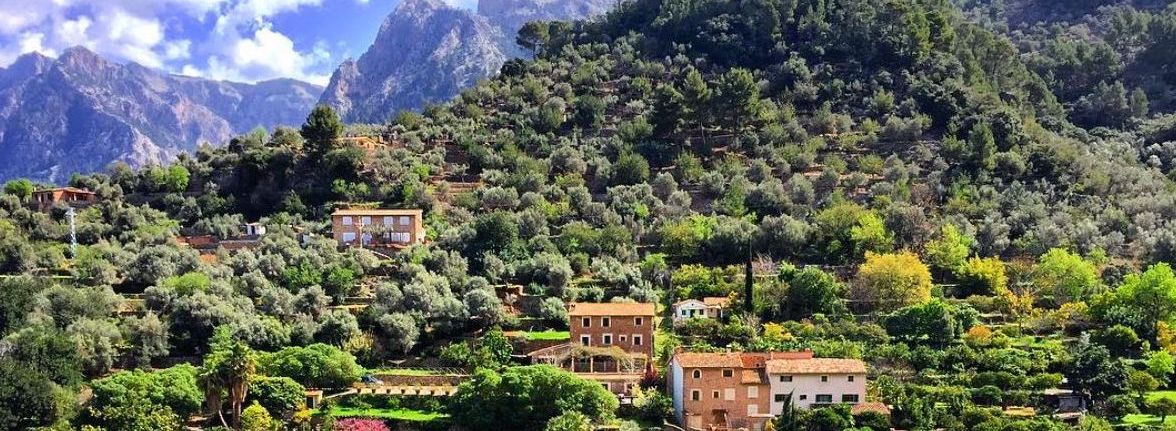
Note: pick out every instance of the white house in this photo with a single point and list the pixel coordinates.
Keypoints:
(707, 308)
(816, 381)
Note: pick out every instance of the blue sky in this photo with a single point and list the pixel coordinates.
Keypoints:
(238, 40)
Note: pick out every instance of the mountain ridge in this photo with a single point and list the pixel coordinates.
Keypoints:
(80, 112)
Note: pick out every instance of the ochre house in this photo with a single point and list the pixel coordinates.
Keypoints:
(378, 228)
(610, 343)
(46, 198)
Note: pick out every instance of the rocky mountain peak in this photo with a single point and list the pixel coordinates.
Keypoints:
(427, 51)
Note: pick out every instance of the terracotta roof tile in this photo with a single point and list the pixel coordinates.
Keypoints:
(816, 366)
(611, 309)
(870, 407)
(716, 301)
(709, 360)
(752, 377)
(377, 212)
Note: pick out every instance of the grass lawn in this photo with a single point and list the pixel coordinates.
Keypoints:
(548, 335)
(1146, 419)
(1142, 419)
(1155, 395)
(396, 414)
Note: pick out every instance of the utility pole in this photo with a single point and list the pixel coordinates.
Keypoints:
(73, 234)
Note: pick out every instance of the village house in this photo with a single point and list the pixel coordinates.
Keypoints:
(708, 308)
(46, 198)
(732, 390)
(378, 228)
(629, 326)
(610, 343)
(207, 245)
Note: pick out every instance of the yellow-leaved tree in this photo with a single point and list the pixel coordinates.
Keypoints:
(887, 282)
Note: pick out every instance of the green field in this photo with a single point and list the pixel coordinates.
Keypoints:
(396, 414)
(1146, 419)
(548, 335)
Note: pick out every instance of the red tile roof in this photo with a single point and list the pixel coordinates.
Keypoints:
(709, 360)
(744, 360)
(816, 366)
(611, 309)
(716, 301)
(870, 407)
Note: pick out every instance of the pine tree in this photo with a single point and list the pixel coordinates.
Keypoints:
(320, 131)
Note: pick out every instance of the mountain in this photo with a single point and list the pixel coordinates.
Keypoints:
(81, 112)
(427, 51)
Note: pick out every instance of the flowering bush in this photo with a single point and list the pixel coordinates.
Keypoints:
(355, 424)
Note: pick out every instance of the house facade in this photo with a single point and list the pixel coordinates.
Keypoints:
(378, 227)
(46, 198)
(629, 326)
(706, 308)
(610, 343)
(716, 391)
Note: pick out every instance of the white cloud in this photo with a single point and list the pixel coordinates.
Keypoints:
(266, 54)
(25, 43)
(464, 4)
(242, 45)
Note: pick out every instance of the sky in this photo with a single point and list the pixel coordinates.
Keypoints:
(235, 40)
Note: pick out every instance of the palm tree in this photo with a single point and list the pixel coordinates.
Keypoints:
(228, 367)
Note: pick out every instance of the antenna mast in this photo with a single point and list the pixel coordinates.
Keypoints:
(73, 233)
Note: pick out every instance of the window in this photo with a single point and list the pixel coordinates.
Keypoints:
(849, 398)
(585, 340)
(405, 220)
(698, 374)
(348, 236)
(636, 340)
(607, 339)
(605, 322)
(803, 397)
(695, 395)
(586, 322)
(715, 394)
(387, 221)
(637, 321)
(824, 398)
(753, 392)
(729, 394)
(850, 378)
(781, 398)
(824, 379)
(347, 221)
(728, 373)
(367, 221)
(752, 409)
(785, 379)
(623, 339)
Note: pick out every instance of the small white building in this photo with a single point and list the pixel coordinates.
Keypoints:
(254, 229)
(707, 308)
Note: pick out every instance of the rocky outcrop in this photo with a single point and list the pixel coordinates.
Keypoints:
(427, 51)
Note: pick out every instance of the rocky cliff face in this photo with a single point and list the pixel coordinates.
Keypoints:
(80, 112)
(427, 51)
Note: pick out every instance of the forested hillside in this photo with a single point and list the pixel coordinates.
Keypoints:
(850, 152)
